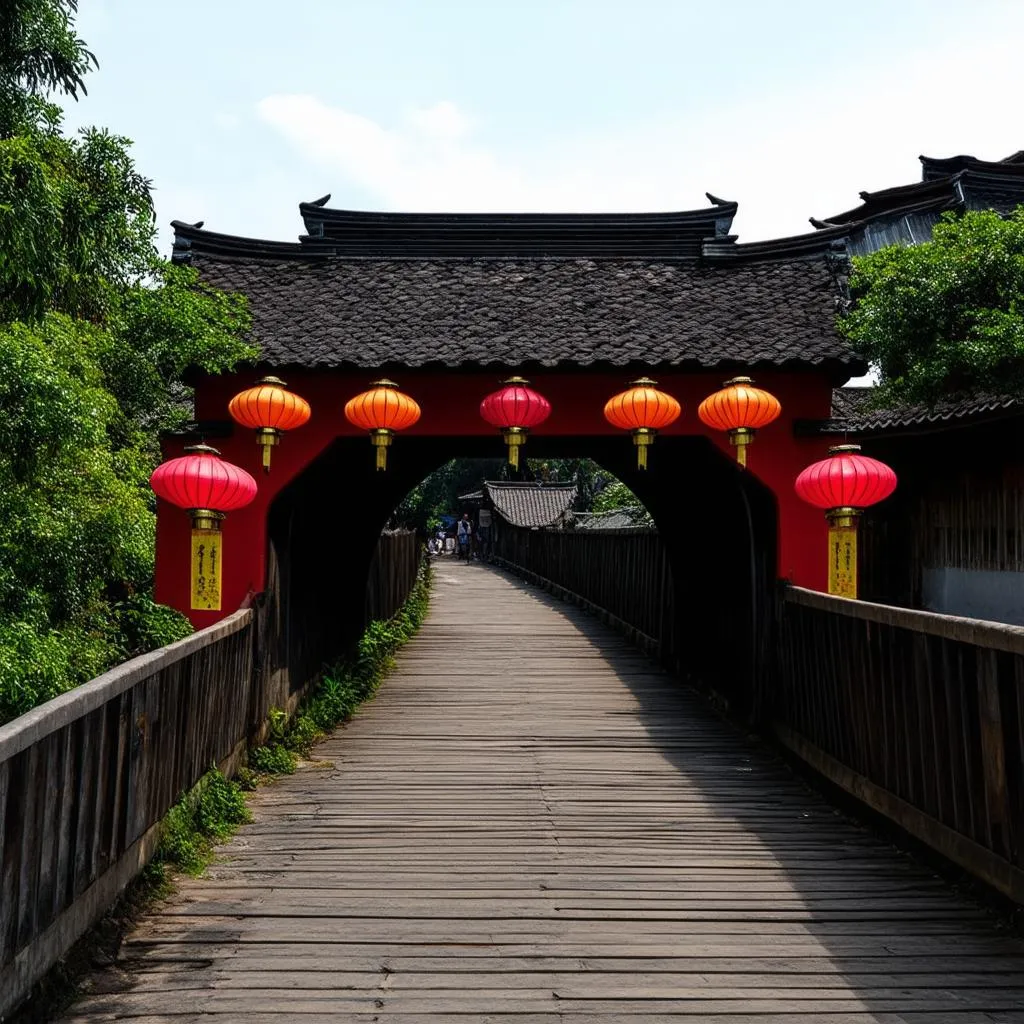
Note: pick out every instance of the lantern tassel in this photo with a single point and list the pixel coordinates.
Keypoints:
(381, 439)
(266, 438)
(643, 438)
(514, 437)
(739, 438)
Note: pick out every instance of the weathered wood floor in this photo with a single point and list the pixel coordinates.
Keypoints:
(529, 824)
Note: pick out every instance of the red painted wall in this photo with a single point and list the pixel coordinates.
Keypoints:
(450, 409)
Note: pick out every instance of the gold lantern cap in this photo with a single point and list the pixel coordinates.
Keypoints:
(201, 449)
(737, 380)
(383, 383)
(276, 381)
(840, 449)
(643, 382)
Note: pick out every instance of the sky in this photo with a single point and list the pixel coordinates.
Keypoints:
(240, 109)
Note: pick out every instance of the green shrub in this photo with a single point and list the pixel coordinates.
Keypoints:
(273, 759)
(208, 813)
(221, 807)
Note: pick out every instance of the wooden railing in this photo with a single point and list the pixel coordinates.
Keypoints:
(918, 715)
(86, 778)
(392, 573)
(623, 576)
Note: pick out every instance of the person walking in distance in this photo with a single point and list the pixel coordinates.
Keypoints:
(483, 533)
(465, 536)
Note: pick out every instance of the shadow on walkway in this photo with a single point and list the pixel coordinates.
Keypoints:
(532, 824)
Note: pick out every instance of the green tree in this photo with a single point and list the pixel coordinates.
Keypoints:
(438, 494)
(616, 496)
(946, 316)
(96, 333)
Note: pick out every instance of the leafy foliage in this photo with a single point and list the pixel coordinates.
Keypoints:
(209, 813)
(617, 496)
(96, 334)
(438, 494)
(946, 316)
(39, 54)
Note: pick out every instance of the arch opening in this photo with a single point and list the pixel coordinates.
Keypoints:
(718, 526)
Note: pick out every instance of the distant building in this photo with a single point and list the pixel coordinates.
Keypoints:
(528, 504)
(908, 213)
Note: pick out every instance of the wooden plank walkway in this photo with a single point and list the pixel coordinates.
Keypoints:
(531, 824)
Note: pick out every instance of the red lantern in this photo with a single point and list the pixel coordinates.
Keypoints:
(514, 410)
(206, 487)
(844, 485)
(740, 409)
(382, 410)
(269, 409)
(643, 410)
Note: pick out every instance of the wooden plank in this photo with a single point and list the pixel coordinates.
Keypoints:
(554, 829)
(993, 758)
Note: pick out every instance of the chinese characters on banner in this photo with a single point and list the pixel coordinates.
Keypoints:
(206, 570)
(842, 561)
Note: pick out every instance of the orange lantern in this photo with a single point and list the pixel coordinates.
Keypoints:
(382, 410)
(739, 409)
(643, 410)
(269, 409)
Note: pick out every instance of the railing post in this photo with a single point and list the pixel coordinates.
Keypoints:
(993, 756)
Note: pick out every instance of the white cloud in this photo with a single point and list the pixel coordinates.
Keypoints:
(784, 156)
(426, 163)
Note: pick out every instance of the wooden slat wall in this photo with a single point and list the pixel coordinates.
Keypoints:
(86, 778)
(624, 573)
(919, 715)
(972, 521)
(392, 573)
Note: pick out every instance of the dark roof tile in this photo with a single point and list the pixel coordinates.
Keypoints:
(331, 311)
(531, 504)
(854, 411)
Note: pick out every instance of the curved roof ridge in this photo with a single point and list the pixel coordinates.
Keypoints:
(387, 233)
(939, 193)
(934, 167)
(192, 237)
(829, 239)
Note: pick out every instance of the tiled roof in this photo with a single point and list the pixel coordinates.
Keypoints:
(634, 518)
(854, 412)
(323, 312)
(959, 182)
(531, 504)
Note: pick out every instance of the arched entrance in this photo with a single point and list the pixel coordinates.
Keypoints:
(448, 306)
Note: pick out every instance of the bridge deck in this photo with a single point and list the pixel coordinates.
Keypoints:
(530, 824)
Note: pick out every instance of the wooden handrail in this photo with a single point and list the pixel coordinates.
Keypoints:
(66, 708)
(995, 636)
(916, 714)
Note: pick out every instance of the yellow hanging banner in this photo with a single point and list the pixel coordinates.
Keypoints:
(842, 560)
(206, 570)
